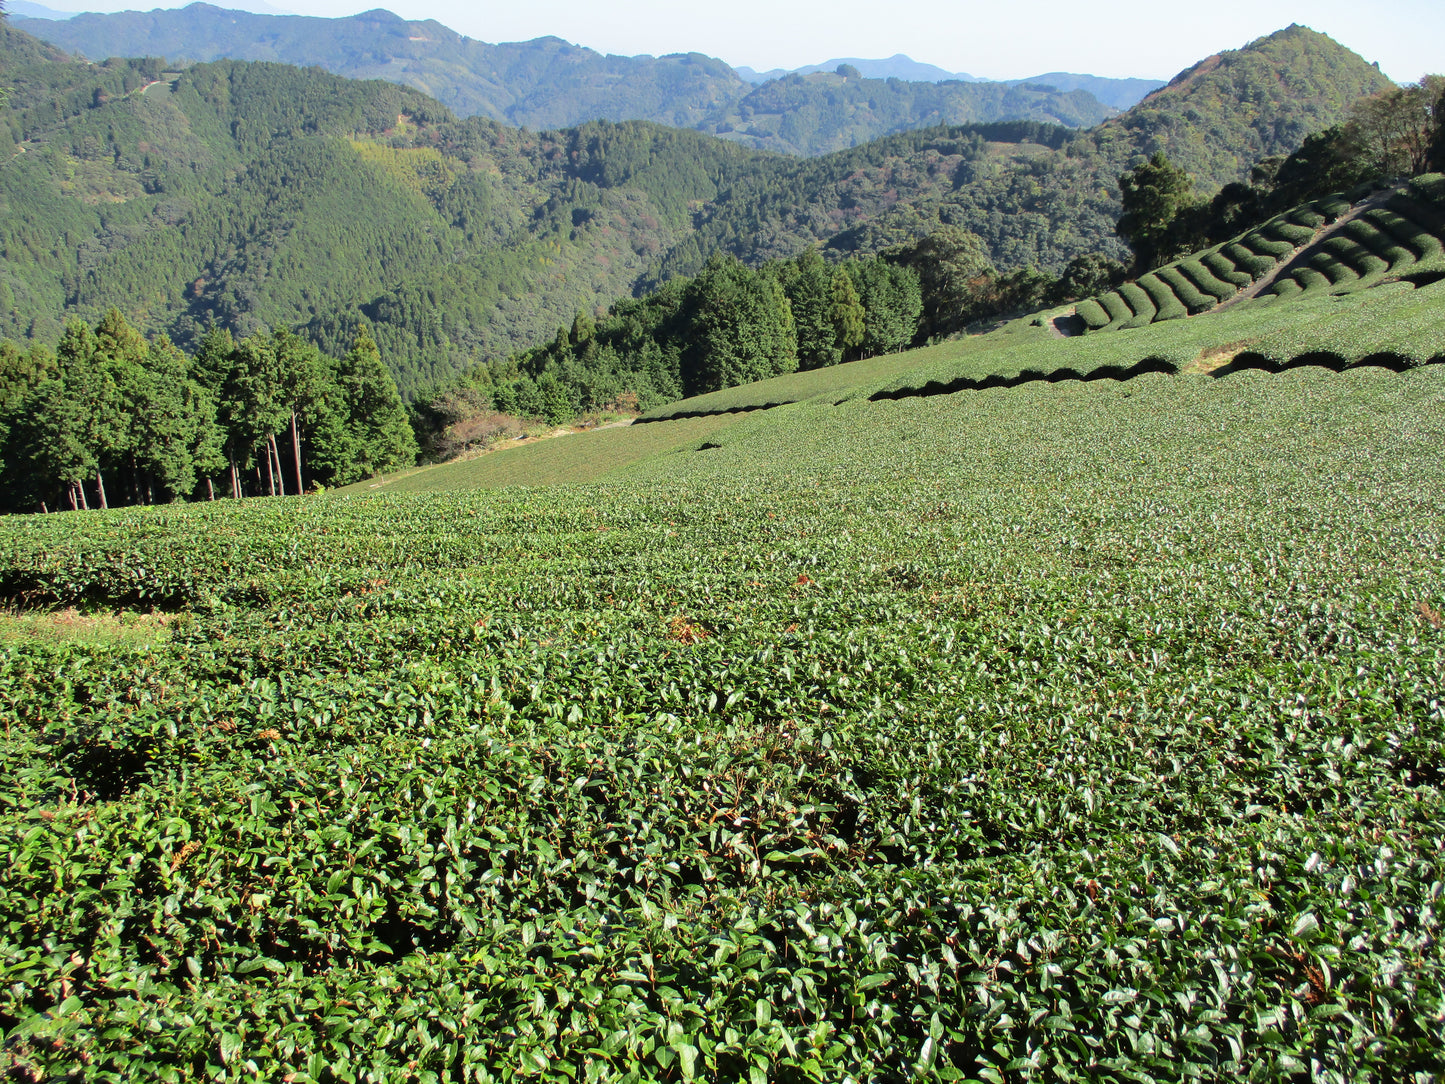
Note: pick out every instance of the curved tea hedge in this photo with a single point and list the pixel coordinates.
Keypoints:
(1401, 236)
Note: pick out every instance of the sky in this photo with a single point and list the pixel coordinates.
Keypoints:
(992, 39)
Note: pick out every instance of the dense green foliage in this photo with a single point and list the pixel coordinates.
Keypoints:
(1229, 111)
(109, 418)
(829, 111)
(1067, 731)
(1385, 136)
(1329, 245)
(260, 196)
(1393, 324)
(1152, 197)
(971, 716)
(730, 325)
(1038, 195)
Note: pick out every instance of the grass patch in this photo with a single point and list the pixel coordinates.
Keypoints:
(69, 625)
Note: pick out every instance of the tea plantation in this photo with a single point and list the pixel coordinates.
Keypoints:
(1080, 730)
(1330, 246)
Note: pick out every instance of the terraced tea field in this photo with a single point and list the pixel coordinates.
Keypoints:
(1330, 246)
(1078, 730)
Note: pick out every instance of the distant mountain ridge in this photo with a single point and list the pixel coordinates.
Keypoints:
(24, 9)
(29, 10)
(547, 83)
(1120, 93)
(897, 66)
(1117, 93)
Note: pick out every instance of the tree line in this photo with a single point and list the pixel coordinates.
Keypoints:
(733, 324)
(108, 417)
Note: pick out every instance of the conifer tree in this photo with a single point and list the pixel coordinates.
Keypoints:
(807, 284)
(892, 304)
(1153, 197)
(847, 314)
(741, 328)
(176, 438)
(375, 415)
(79, 416)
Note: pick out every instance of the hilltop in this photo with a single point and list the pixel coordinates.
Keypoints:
(544, 83)
(1040, 196)
(1117, 93)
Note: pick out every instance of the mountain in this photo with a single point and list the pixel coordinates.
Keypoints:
(896, 66)
(26, 10)
(1116, 93)
(547, 83)
(1119, 93)
(1038, 194)
(1234, 108)
(826, 111)
(258, 194)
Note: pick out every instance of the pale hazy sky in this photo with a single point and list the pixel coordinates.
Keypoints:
(994, 39)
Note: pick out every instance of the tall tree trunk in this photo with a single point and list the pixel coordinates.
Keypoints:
(235, 481)
(100, 488)
(80, 488)
(296, 453)
(270, 478)
(210, 490)
(275, 453)
(74, 504)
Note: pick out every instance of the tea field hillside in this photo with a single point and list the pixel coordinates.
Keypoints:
(973, 714)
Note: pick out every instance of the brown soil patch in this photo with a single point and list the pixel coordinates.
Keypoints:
(1210, 360)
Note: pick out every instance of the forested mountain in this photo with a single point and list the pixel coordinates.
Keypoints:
(1118, 93)
(1235, 108)
(830, 111)
(261, 196)
(266, 195)
(897, 66)
(547, 83)
(1039, 194)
